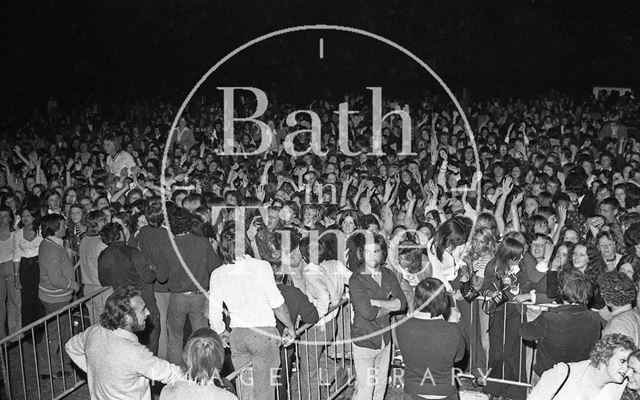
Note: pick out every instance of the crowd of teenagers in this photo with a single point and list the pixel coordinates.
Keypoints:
(435, 255)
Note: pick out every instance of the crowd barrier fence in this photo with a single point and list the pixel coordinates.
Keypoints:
(31, 356)
(317, 367)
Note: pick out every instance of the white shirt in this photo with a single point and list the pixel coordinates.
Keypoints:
(6, 249)
(117, 365)
(325, 286)
(121, 160)
(249, 290)
(24, 248)
(447, 269)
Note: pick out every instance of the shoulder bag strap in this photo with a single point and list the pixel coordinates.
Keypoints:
(563, 382)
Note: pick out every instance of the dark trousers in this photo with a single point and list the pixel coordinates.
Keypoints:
(32, 308)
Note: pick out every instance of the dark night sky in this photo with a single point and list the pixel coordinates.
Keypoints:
(77, 49)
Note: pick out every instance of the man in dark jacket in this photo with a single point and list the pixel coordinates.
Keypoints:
(566, 333)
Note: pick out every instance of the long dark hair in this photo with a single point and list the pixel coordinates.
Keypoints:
(453, 232)
(508, 250)
(35, 214)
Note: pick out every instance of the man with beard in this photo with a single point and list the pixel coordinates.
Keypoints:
(117, 365)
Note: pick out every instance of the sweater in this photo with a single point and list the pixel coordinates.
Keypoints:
(57, 275)
(429, 348)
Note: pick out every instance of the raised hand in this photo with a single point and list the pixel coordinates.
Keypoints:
(507, 185)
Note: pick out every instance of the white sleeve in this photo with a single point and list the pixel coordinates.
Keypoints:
(215, 307)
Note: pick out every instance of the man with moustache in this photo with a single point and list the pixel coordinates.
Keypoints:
(117, 365)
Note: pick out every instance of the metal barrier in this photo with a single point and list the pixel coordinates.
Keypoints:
(311, 371)
(31, 356)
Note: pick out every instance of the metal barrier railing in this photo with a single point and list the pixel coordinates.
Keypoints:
(318, 371)
(31, 357)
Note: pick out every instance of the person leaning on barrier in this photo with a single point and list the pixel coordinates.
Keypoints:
(565, 333)
(247, 286)
(117, 365)
(600, 377)
(430, 344)
(203, 356)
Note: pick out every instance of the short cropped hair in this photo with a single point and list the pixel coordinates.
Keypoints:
(616, 288)
(431, 296)
(604, 348)
(110, 232)
(203, 355)
(51, 224)
(117, 307)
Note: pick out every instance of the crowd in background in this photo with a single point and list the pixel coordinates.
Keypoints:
(551, 215)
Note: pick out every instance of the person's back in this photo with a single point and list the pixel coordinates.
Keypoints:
(186, 390)
(566, 334)
(626, 323)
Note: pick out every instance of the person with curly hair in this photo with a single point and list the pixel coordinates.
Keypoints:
(601, 376)
(117, 365)
(619, 294)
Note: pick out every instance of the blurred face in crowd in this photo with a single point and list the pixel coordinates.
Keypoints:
(609, 212)
(580, 257)
(75, 215)
(137, 321)
(571, 236)
(617, 367)
(607, 248)
(372, 255)
(620, 195)
(633, 374)
(627, 269)
(538, 248)
(5, 219)
(348, 225)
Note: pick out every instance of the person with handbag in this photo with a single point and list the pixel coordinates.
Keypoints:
(601, 377)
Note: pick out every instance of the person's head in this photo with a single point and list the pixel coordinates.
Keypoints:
(227, 245)
(609, 209)
(53, 225)
(76, 212)
(30, 216)
(203, 356)
(349, 221)
(95, 221)
(111, 144)
(632, 239)
(111, 233)
(607, 245)
(431, 297)
(375, 252)
(508, 253)
(449, 235)
(630, 266)
(575, 288)
(539, 244)
(483, 242)
(617, 289)
(580, 257)
(6, 217)
(126, 310)
(633, 373)
(609, 355)
(571, 235)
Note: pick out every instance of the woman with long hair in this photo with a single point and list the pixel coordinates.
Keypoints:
(26, 243)
(504, 280)
(9, 294)
(445, 249)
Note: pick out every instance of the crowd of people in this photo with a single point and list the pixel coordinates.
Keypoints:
(435, 250)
